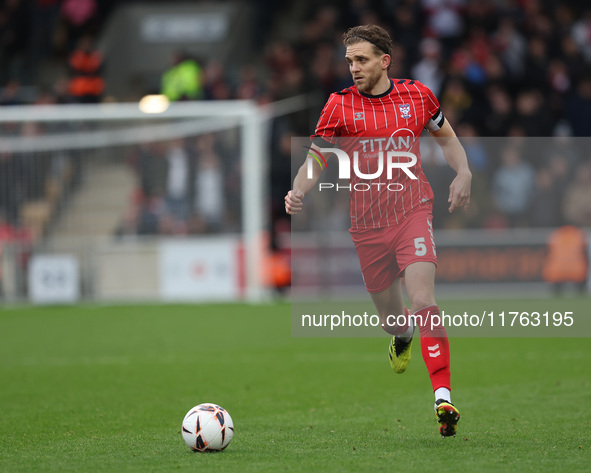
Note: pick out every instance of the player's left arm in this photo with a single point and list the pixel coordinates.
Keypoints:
(459, 190)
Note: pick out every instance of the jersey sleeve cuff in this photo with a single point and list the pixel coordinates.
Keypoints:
(321, 142)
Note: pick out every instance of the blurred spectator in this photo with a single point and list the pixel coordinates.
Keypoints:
(404, 34)
(439, 175)
(571, 55)
(183, 81)
(444, 20)
(577, 199)
(561, 174)
(536, 64)
(558, 76)
(546, 201)
(177, 180)
(10, 233)
(215, 86)
(322, 27)
(578, 109)
(428, 70)
(479, 45)
(286, 74)
(476, 152)
(209, 184)
(151, 168)
(353, 14)
(463, 64)
(45, 97)
(511, 45)
(249, 87)
(14, 40)
(532, 114)
(44, 20)
(498, 119)
(538, 20)
(564, 18)
(13, 186)
(263, 17)
(280, 59)
(482, 14)
(581, 32)
(494, 71)
(86, 67)
(342, 75)
(60, 90)
(11, 93)
(78, 15)
(322, 72)
(35, 164)
(397, 68)
(148, 216)
(456, 97)
(567, 260)
(513, 186)
(169, 224)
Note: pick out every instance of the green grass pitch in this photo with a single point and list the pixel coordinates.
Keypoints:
(104, 389)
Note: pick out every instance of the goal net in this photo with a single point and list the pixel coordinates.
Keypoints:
(107, 203)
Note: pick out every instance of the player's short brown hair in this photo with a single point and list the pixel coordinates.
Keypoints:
(373, 34)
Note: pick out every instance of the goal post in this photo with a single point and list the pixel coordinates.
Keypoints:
(97, 140)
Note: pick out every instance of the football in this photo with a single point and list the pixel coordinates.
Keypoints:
(207, 428)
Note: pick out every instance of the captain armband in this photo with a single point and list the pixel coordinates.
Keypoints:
(436, 122)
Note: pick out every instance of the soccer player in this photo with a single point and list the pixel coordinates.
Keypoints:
(391, 225)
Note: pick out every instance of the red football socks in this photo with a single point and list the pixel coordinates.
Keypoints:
(434, 346)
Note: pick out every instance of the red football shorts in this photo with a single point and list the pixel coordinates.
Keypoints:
(385, 252)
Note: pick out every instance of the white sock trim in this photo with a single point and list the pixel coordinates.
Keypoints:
(407, 334)
(443, 393)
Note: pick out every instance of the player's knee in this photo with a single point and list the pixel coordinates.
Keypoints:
(422, 300)
(387, 315)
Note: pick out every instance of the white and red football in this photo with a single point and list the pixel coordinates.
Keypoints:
(207, 428)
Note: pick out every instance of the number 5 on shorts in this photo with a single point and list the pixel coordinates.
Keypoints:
(420, 247)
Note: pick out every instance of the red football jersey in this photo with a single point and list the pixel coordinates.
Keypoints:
(392, 121)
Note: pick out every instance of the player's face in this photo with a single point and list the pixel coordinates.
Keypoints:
(365, 65)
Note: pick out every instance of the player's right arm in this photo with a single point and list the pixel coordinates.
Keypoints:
(302, 185)
(326, 129)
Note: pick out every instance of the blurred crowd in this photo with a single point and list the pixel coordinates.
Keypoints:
(500, 68)
(187, 186)
(46, 46)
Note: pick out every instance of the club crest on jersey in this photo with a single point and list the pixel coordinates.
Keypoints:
(359, 116)
(404, 110)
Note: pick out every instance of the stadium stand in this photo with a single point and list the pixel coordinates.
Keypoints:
(515, 68)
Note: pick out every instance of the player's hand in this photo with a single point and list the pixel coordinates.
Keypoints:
(459, 191)
(294, 202)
